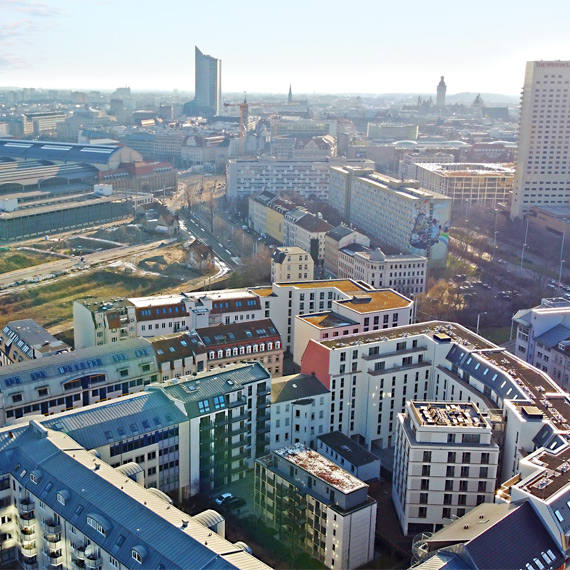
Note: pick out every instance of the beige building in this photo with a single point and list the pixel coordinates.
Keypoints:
(542, 168)
(484, 184)
(291, 264)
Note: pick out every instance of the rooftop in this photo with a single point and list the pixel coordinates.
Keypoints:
(347, 448)
(327, 320)
(295, 387)
(376, 301)
(320, 467)
(435, 414)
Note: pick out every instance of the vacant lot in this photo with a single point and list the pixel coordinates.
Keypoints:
(52, 304)
(13, 260)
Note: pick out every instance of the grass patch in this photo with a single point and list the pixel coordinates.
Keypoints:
(498, 335)
(14, 260)
(52, 304)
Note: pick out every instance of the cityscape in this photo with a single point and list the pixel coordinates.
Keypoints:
(284, 327)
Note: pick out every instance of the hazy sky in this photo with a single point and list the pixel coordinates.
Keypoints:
(332, 46)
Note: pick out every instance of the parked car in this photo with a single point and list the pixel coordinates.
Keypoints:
(223, 498)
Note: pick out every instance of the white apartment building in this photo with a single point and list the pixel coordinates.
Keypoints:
(484, 184)
(327, 509)
(407, 166)
(542, 165)
(445, 464)
(307, 232)
(97, 322)
(309, 178)
(540, 330)
(373, 311)
(291, 264)
(396, 212)
(299, 410)
(284, 301)
(404, 273)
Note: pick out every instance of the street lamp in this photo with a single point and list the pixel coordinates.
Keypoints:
(478, 320)
(562, 261)
(522, 254)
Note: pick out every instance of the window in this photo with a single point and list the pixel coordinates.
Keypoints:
(451, 457)
(96, 525)
(204, 406)
(136, 556)
(467, 457)
(219, 402)
(422, 512)
(427, 456)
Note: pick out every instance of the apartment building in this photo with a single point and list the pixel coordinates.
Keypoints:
(303, 148)
(62, 507)
(406, 273)
(299, 410)
(325, 510)
(98, 322)
(284, 301)
(373, 311)
(398, 213)
(335, 240)
(307, 232)
(26, 340)
(540, 331)
(445, 464)
(308, 178)
(291, 264)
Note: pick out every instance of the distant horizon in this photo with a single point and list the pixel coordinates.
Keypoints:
(317, 47)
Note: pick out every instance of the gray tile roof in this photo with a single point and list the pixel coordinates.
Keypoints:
(553, 336)
(347, 448)
(296, 387)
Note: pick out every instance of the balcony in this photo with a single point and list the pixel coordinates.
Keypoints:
(206, 426)
(237, 402)
(238, 431)
(93, 561)
(384, 355)
(78, 564)
(54, 542)
(52, 527)
(242, 455)
(29, 548)
(263, 428)
(53, 559)
(28, 527)
(31, 565)
(79, 552)
(263, 417)
(264, 392)
(241, 417)
(26, 506)
(398, 368)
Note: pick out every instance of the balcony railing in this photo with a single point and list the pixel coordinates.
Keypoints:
(29, 565)
(93, 561)
(52, 527)
(26, 506)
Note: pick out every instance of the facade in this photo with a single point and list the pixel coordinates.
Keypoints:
(307, 232)
(396, 212)
(392, 131)
(404, 273)
(349, 455)
(407, 165)
(208, 87)
(335, 240)
(441, 90)
(541, 174)
(101, 321)
(445, 464)
(26, 340)
(540, 332)
(299, 410)
(486, 184)
(323, 509)
(309, 178)
(299, 148)
(291, 264)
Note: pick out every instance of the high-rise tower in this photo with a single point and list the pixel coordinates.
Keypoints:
(441, 89)
(208, 83)
(542, 175)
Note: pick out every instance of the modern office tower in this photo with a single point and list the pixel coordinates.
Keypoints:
(441, 89)
(542, 168)
(445, 464)
(208, 90)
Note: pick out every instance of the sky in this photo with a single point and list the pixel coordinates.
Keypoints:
(317, 46)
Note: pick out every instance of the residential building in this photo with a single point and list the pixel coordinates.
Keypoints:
(485, 184)
(291, 264)
(299, 410)
(301, 148)
(490, 537)
(323, 509)
(397, 213)
(404, 273)
(541, 174)
(445, 464)
(308, 178)
(540, 331)
(307, 232)
(407, 168)
(257, 212)
(64, 507)
(335, 240)
(349, 455)
(100, 321)
(26, 340)
(392, 131)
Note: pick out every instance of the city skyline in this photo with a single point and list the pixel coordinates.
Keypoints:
(316, 47)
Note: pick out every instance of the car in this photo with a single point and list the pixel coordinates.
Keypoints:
(223, 498)
(502, 261)
(234, 503)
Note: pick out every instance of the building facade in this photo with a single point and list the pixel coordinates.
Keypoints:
(541, 173)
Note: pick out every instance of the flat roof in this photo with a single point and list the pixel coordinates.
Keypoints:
(437, 414)
(327, 320)
(376, 301)
(320, 467)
